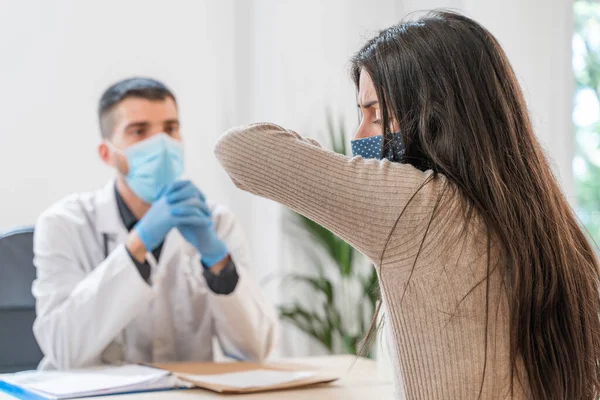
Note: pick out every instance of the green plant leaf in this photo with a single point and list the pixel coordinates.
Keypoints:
(339, 251)
(351, 343)
(322, 237)
(309, 323)
(317, 283)
(371, 287)
(318, 243)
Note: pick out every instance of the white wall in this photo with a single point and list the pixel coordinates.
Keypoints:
(229, 62)
(300, 71)
(59, 56)
(536, 35)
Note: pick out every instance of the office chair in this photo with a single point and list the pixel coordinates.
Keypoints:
(18, 348)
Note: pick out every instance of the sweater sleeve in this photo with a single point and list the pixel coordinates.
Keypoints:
(359, 200)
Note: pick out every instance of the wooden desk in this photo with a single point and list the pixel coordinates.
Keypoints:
(359, 380)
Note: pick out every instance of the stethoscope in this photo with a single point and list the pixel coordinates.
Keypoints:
(150, 259)
(105, 239)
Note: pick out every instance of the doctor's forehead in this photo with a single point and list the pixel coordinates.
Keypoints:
(148, 110)
(137, 110)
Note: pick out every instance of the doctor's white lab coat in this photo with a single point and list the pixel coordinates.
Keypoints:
(92, 309)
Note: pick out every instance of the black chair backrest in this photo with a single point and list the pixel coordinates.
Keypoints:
(18, 348)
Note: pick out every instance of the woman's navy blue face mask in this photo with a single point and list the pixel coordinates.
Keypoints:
(370, 147)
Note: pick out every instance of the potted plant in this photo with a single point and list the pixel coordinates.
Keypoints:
(341, 283)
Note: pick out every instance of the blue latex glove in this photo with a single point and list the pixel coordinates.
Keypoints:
(200, 235)
(164, 216)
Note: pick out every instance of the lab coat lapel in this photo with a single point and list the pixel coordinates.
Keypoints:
(108, 219)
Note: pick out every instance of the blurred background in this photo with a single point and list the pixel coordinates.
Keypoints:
(233, 62)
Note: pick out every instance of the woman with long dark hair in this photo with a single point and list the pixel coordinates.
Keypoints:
(489, 286)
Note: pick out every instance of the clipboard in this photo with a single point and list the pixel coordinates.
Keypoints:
(182, 370)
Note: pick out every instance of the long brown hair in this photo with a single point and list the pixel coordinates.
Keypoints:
(447, 82)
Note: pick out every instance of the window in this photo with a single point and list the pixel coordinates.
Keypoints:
(586, 114)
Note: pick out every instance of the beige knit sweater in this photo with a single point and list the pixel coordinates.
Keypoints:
(432, 268)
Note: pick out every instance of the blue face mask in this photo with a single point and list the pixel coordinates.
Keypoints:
(370, 147)
(153, 164)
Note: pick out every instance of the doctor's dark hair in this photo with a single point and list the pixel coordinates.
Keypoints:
(143, 88)
(447, 82)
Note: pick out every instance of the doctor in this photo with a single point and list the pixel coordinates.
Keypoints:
(145, 269)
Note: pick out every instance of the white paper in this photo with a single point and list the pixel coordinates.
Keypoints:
(94, 381)
(251, 379)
